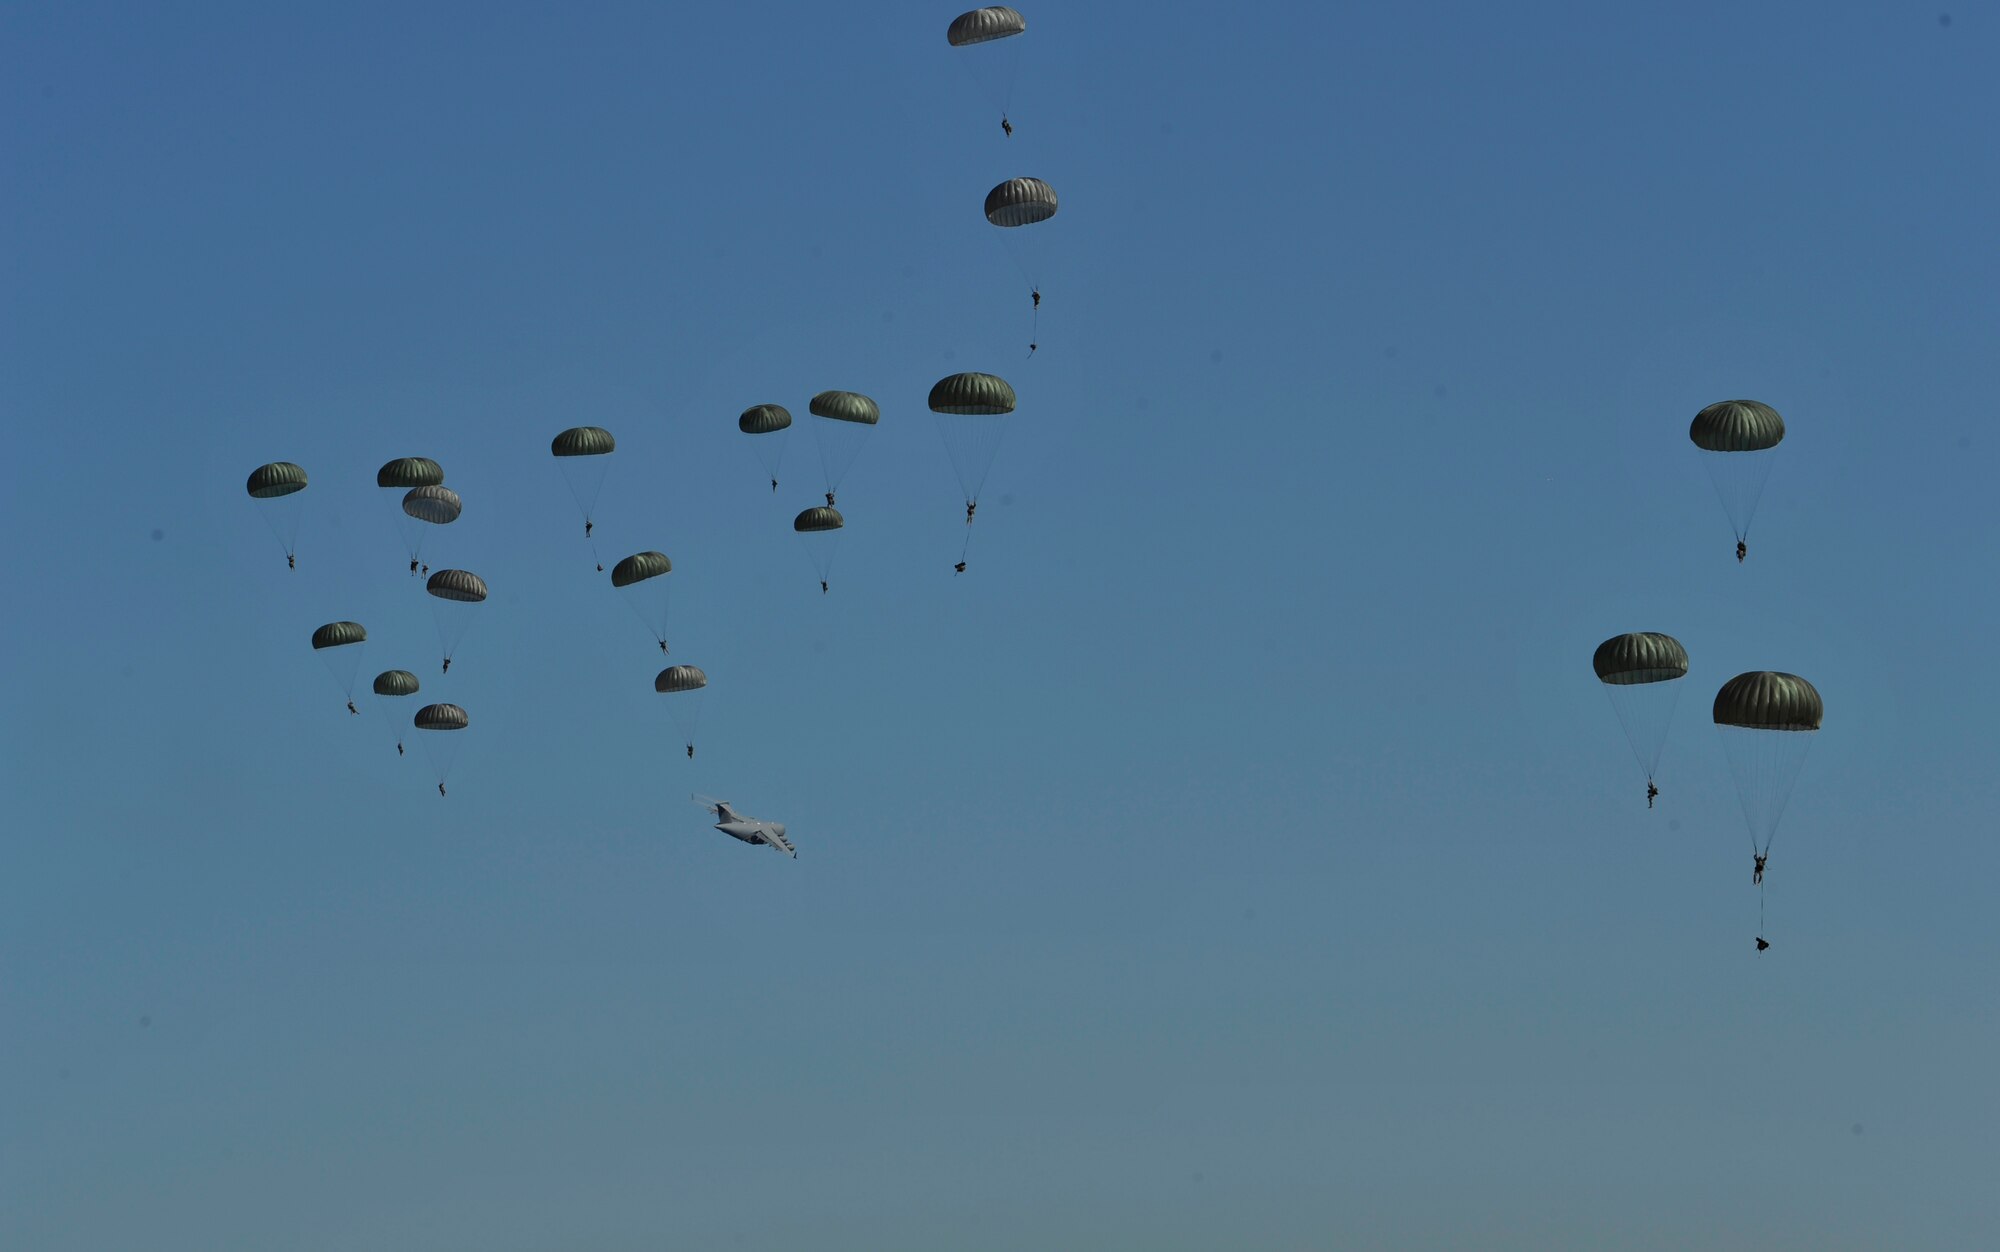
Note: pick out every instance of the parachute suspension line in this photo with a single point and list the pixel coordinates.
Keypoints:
(991, 68)
(1766, 764)
(584, 476)
(1645, 715)
(694, 721)
(1739, 479)
(822, 570)
(289, 542)
(656, 629)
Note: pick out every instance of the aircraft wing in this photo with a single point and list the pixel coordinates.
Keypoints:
(779, 842)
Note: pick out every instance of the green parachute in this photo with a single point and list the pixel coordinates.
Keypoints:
(819, 530)
(690, 685)
(1012, 205)
(849, 416)
(1020, 202)
(1639, 673)
(990, 53)
(1737, 439)
(406, 472)
(392, 685)
(1767, 721)
(995, 21)
(769, 422)
(277, 486)
(453, 593)
(970, 409)
(437, 505)
(442, 722)
(582, 452)
(641, 577)
(424, 507)
(339, 645)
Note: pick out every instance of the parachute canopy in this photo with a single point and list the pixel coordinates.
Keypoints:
(583, 441)
(978, 394)
(995, 21)
(1020, 202)
(461, 585)
(820, 517)
(679, 678)
(396, 682)
(1766, 700)
(440, 506)
(441, 717)
(279, 478)
(1641, 657)
(764, 419)
(337, 634)
(846, 406)
(1737, 426)
(410, 471)
(639, 567)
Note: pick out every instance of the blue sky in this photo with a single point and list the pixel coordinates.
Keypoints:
(1239, 854)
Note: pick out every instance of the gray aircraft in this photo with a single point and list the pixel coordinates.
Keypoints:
(748, 829)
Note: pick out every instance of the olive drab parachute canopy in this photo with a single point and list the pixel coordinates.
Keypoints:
(1766, 700)
(276, 487)
(339, 645)
(1020, 202)
(689, 685)
(1737, 426)
(819, 530)
(677, 678)
(406, 472)
(995, 21)
(582, 452)
(1737, 439)
(440, 506)
(275, 481)
(848, 417)
(846, 406)
(1766, 720)
(392, 685)
(339, 635)
(639, 567)
(396, 682)
(442, 744)
(441, 717)
(641, 579)
(453, 593)
(769, 422)
(583, 441)
(459, 586)
(983, 395)
(986, 47)
(817, 519)
(1639, 672)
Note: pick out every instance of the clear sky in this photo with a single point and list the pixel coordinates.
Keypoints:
(1240, 854)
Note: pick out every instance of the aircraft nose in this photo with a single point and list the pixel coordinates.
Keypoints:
(780, 827)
